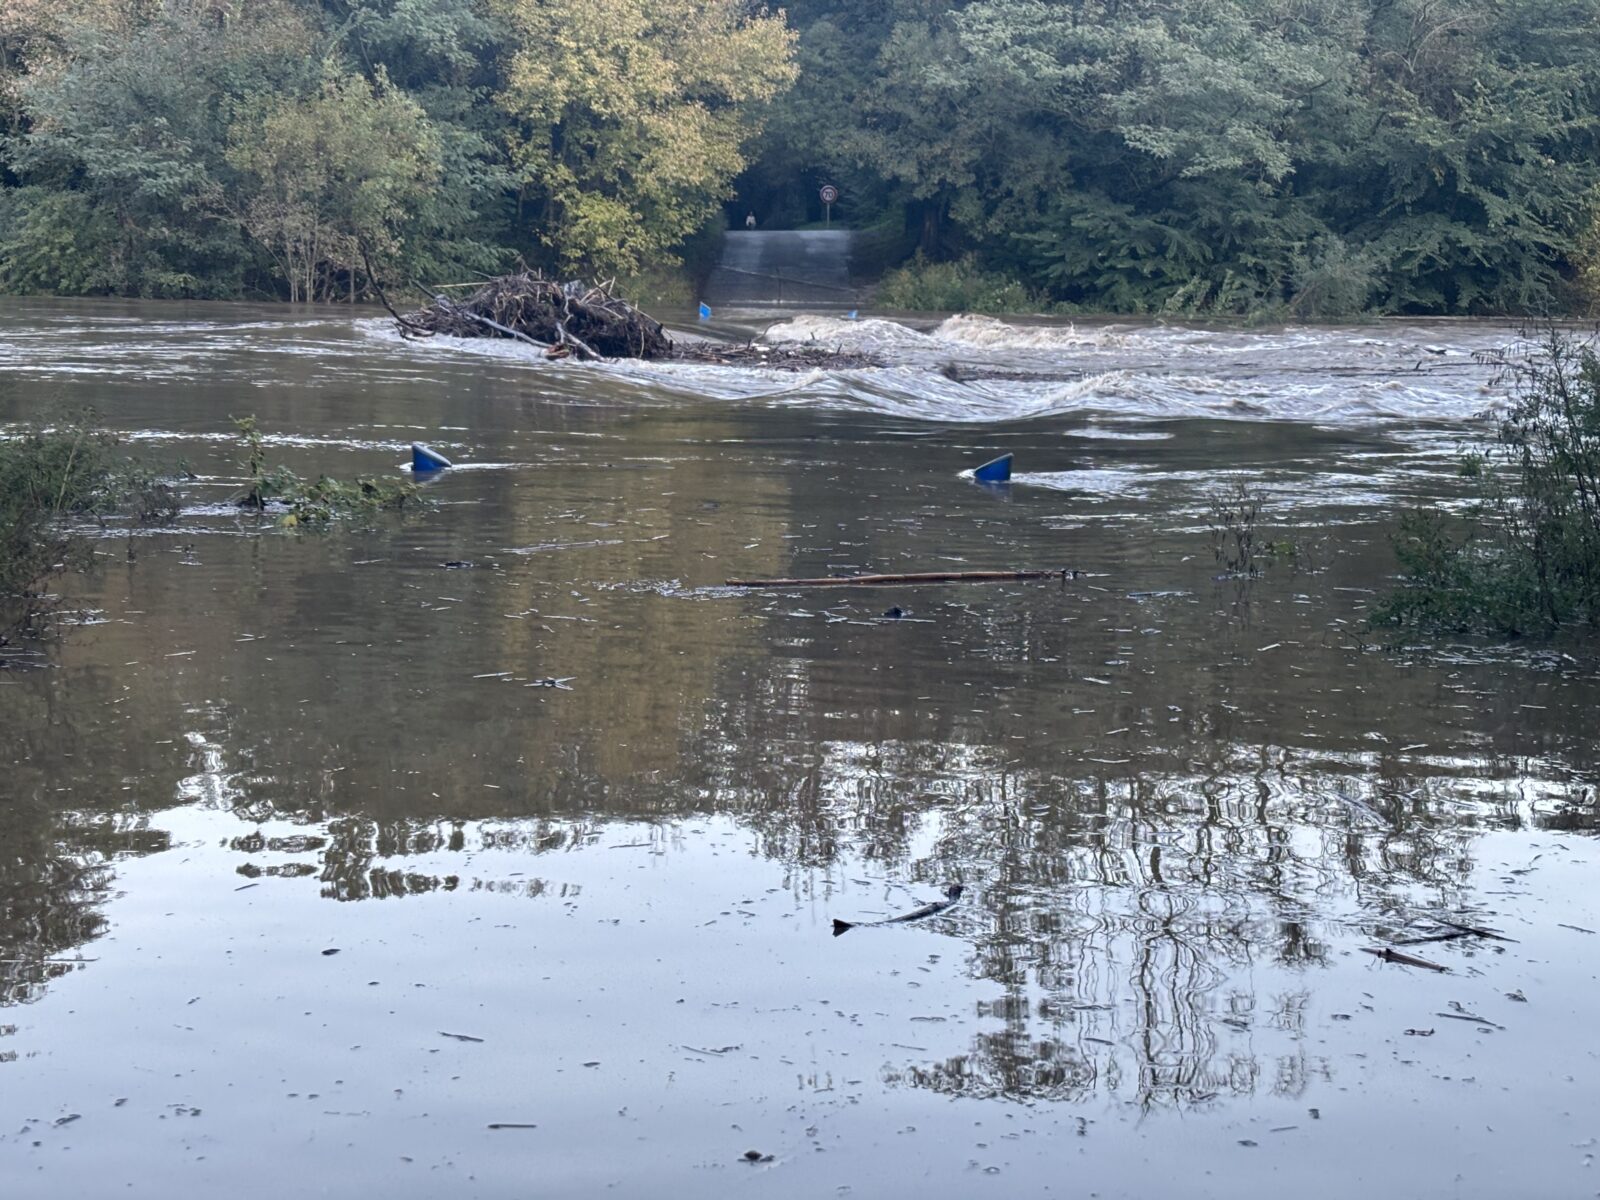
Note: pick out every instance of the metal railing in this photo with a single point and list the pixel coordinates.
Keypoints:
(780, 279)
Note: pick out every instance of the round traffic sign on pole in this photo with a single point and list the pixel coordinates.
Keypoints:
(829, 194)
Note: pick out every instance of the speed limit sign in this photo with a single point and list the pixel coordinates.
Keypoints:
(829, 195)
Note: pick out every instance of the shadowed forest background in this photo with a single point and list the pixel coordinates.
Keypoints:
(1314, 158)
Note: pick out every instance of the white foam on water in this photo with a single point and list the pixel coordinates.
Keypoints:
(1336, 377)
(871, 335)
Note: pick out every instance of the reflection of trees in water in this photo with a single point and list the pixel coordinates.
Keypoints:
(60, 840)
(1124, 915)
(355, 859)
(1118, 911)
(49, 907)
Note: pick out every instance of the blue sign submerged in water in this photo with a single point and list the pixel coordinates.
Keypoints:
(425, 459)
(997, 470)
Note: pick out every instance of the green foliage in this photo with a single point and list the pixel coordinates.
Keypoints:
(1526, 559)
(632, 117)
(134, 127)
(1244, 157)
(48, 477)
(331, 182)
(959, 286)
(57, 243)
(311, 502)
(1307, 158)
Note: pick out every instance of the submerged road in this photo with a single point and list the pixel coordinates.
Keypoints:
(783, 267)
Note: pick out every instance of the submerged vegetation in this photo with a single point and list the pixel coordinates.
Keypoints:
(55, 482)
(1238, 542)
(317, 501)
(1315, 158)
(1525, 557)
(48, 478)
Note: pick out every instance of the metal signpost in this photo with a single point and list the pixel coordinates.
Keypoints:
(830, 196)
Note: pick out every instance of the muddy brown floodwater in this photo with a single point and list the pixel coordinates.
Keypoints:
(310, 884)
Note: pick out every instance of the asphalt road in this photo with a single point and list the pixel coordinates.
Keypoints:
(782, 266)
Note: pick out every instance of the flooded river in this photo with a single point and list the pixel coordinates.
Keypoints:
(314, 880)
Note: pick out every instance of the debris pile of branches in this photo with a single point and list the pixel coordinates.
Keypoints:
(574, 320)
(563, 319)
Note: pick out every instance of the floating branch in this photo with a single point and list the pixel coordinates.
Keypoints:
(951, 895)
(1405, 960)
(922, 577)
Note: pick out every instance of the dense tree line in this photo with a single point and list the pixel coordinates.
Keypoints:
(1216, 155)
(302, 147)
(1317, 156)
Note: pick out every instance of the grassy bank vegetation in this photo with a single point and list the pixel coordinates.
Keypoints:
(1524, 558)
(960, 285)
(49, 479)
(56, 481)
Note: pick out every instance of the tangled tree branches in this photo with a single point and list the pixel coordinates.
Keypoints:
(569, 320)
(563, 319)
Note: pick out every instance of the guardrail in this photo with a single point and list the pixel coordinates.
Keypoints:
(852, 292)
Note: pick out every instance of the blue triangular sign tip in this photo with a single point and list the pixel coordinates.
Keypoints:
(996, 470)
(705, 311)
(424, 458)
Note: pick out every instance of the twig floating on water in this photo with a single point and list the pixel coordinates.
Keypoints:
(512, 1125)
(1475, 930)
(460, 1037)
(1405, 960)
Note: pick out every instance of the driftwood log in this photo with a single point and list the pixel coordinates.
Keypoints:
(880, 580)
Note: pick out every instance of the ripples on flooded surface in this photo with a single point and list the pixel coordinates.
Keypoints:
(1180, 809)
